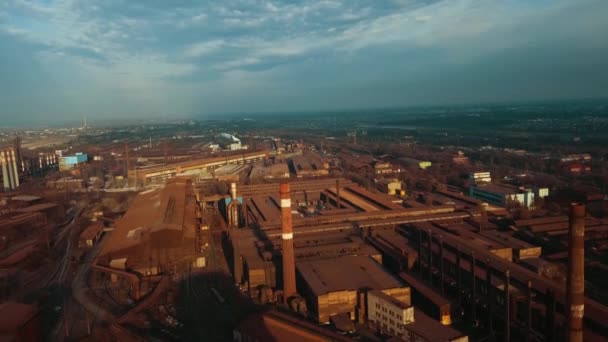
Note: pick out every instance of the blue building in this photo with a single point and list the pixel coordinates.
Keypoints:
(73, 161)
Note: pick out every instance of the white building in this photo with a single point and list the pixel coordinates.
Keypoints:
(388, 313)
(396, 318)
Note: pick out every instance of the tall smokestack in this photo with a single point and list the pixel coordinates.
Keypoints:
(11, 170)
(289, 270)
(233, 208)
(17, 148)
(6, 183)
(15, 172)
(576, 273)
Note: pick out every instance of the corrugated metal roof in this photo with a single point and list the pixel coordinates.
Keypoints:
(432, 330)
(345, 273)
(153, 211)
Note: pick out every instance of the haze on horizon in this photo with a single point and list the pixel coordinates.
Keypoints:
(63, 59)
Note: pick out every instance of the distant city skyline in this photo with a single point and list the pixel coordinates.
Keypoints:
(64, 59)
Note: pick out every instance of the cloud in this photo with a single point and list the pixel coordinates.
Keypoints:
(206, 53)
(238, 63)
(203, 48)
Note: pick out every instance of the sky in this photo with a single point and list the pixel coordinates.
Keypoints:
(64, 59)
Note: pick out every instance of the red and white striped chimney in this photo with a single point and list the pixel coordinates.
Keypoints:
(575, 286)
(289, 267)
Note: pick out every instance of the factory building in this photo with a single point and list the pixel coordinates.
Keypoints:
(66, 183)
(9, 169)
(159, 173)
(385, 168)
(480, 178)
(333, 286)
(449, 262)
(256, 261)
(541, 192)
(460, 159)
(37, 164)
(576, 168)
(394, 317)
(274, 171)
(391, 186)
(421, 164)
(148, 243)
(503, 195)
(90, 235)
(309, 166)
(425, 329)
(72, 162)
(230, 142)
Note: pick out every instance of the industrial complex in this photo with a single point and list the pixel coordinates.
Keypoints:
(291, 239)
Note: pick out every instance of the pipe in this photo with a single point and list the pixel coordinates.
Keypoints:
(289, 272)
(576, 273)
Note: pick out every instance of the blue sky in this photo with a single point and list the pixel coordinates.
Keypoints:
(62, 59)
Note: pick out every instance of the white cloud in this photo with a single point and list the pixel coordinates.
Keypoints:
(244, 22)
(190, 22)
(203, 48)
(238, 63)
(423, 18)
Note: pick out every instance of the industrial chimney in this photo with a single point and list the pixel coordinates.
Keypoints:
(233, 209)
(289, 267)
(15, 172)
(576, 273)
(5, 180)
(233, 191)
